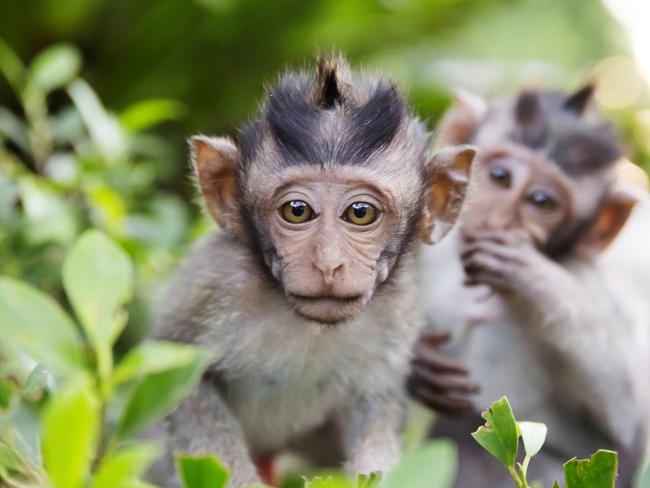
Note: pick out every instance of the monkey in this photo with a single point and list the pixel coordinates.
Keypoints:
(523, 297)
(306, 293)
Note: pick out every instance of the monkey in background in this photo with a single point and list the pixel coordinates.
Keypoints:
(523, 298)
(307, 294)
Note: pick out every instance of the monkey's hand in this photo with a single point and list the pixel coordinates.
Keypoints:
(438, 382)
(509, 263)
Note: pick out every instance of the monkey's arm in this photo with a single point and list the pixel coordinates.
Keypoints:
(589, 334)
(203, 424)
(371, 434)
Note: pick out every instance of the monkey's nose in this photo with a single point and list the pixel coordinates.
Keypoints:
(329, 271)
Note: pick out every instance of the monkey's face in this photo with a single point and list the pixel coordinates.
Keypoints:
(334, 235)
(517, 191)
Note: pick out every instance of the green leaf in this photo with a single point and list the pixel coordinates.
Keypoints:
(597, 472)
(7, 391)
(147, 113)
(124, 466)
(499, 436)
(55, 67)
(69, 433)
(372, 480)
(103, 127)
(329, 482)
(9, 460)
(533, 434)
(37, 379)
(202, 472)
(158, 393)
(556, 485)
(152, 357)
(35, 323)
(11, 67)
(433, 465)
(98, 279)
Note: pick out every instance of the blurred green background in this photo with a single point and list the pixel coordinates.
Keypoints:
(97, 98)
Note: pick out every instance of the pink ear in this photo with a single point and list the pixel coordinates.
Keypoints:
(458, 124)
(215, 163)
(609, 222)
(449, 173)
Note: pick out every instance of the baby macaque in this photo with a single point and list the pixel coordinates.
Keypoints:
(307, 294)
(529, 306)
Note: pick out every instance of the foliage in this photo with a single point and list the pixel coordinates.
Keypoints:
(67, 164)
(500, 437)
(83, 410)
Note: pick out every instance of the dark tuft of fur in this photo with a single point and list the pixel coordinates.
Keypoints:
(327, 117)
(530, 118)
(373, 126)
(327, 93)
(578, 101)
(552, 123)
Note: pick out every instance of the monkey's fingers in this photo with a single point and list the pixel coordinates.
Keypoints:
(435, 338)
(441, 403)
(435, 362)
(441, 382)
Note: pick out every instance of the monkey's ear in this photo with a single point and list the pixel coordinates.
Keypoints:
(448, 174)
(215, 161)
(459, 122)
(610, 220)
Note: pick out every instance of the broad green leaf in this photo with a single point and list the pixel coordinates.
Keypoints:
(598, 472)
(124, 466)
(202, 472)
(69, 433)
(55, 67)
(499, 436)
(433, 465)
(152, 357)
(147, 113)
(533, 434)
(35, 323)
(48, 216)
(158, 393)
(98, 279)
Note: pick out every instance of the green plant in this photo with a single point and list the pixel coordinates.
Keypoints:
(500, 437)
(68, 414)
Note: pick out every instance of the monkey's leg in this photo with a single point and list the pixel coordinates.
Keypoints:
(203, 424)
(371, 434)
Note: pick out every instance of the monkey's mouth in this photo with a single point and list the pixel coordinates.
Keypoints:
(327, 309)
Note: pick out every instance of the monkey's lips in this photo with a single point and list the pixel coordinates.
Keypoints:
(328, 309)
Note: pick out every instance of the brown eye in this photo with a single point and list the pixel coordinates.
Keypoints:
(296, 212)
(361, 213)
(500, 175)
(542, 200)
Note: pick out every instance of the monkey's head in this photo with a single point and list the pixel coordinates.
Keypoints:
(545, 168)
(329, 186)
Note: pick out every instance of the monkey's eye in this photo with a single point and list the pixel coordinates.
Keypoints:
(361, 213)
(296, 212)
(500, 175)
(542, 200)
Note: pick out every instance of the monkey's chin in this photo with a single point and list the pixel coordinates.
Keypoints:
(328, 310)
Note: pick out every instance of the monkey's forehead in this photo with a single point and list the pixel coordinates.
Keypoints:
(396, 185)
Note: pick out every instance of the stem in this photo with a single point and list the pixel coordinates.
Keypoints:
(515, 477)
